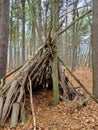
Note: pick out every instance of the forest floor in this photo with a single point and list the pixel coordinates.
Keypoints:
(64, 116)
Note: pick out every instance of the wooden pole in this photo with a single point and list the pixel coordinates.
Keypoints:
(15, 115)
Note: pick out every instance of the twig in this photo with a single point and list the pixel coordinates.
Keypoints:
(32, 104)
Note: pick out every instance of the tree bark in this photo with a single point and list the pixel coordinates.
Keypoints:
(74, 38)
(95, 48)
(40, 20)
(23, 31)
(15, 115)
(0, 11)
(10, 59)
(54, 62)
(4, 34)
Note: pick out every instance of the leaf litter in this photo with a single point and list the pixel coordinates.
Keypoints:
(64, 116)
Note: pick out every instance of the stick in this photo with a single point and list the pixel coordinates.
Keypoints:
(1, 106)
(32, 104)
(23, 113)
(13, 71)
(78, 81)
(15, 115)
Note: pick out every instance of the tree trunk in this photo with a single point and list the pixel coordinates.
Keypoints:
(14, 36)
(95, 48)
(4, 34)
(74, 39)
(23, 31)
(46, 19)
(18, 36)
(0, 11)
(10, 62)
(54, 62)
(39, 20)
(33, 36)
(66, 35)
(18, 44)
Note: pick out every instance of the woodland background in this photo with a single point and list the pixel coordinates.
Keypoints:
(25, 26)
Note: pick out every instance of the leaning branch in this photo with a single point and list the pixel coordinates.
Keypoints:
(70, 25)
(76, 20)
(32, 104)
(78, 81)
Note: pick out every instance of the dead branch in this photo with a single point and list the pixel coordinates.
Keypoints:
(78, 81)
(76, 20)
(15, 115)
(32, 104)
(70, 25)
